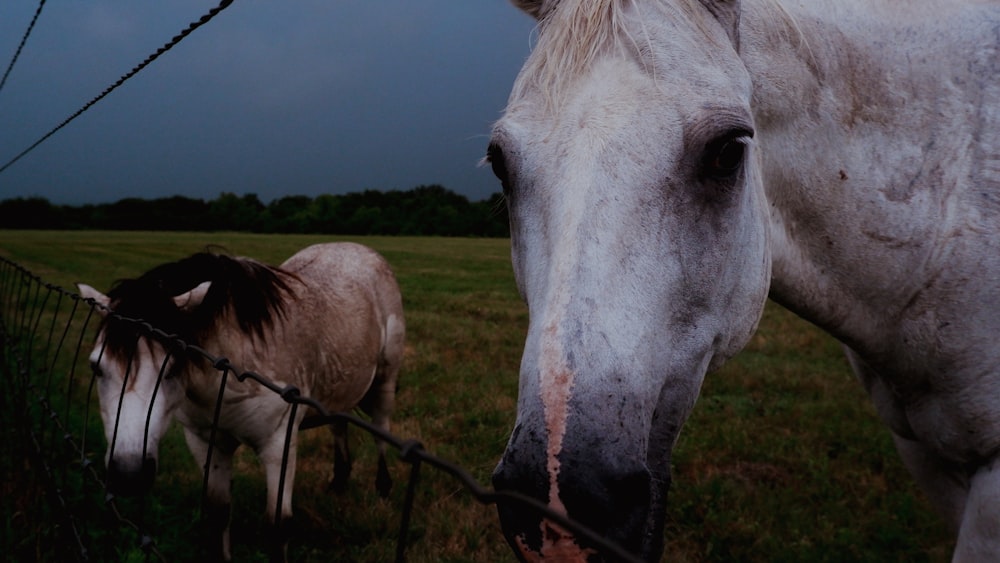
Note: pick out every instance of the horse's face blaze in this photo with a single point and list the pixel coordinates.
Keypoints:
(638, 226)
(137, 403)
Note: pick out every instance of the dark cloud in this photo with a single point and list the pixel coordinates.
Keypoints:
(270, 98)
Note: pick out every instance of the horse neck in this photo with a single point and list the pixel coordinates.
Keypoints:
(859, 190)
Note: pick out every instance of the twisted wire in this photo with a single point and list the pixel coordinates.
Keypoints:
(166, 47)
(24, 40)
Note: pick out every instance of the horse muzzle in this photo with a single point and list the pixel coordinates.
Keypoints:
(617, 498)
(130, 476)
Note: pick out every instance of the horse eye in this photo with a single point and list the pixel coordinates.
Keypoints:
(495, 156)
(96, 369)
(724, 156)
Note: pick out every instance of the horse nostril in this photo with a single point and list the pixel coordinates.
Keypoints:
(615, 504)
(521, 525)
(129, 477)
(596, 499)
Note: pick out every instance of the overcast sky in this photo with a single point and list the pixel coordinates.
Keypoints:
(289, 97)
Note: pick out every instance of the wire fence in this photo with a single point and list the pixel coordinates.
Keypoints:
(52, 435)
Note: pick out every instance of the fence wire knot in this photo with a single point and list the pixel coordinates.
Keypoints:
(290, 393)
(410, 451)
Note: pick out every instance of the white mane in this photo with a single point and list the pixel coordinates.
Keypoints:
(572, 33)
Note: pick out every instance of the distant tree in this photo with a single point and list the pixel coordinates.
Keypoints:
(289, 214)
(230, 212)
(424, 210)
(325, 214)
(179, 213)
(129, 214)
(30, 213)
(364, 220)
(77, 217)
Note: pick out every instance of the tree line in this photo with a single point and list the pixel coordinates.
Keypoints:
(422, 211)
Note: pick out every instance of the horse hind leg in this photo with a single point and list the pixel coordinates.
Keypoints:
(380, 401)
(383, 481)
(341, 457)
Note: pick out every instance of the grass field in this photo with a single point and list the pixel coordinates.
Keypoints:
(782, 460)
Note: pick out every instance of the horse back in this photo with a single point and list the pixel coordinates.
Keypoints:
(345, 321)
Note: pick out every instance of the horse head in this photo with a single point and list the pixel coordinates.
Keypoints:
(639, 242)
(138, 388)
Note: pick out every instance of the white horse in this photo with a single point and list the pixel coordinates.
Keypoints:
(328, 321)
(669, 164)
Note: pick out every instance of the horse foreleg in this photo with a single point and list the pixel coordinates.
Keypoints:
(272, 458)
(979, 536)
(216, 510)
(341, 457)
(944, 484)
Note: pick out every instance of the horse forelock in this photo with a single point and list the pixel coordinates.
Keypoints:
(571, 35)
(254, 292)
(138, 300)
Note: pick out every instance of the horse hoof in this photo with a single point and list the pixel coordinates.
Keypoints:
(337, 485)
(383, 482)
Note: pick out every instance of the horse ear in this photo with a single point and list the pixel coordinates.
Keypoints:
(728, 14)
(534, 8)
(88, 292)
(191, 299)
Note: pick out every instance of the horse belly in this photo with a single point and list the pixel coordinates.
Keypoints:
(338, 369)
(247, 418)
(340, 386)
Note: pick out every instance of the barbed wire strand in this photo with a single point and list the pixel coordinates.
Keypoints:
(166, 47)
(24, 40)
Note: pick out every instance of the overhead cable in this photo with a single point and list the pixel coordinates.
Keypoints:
(24, 40)
(176, 39)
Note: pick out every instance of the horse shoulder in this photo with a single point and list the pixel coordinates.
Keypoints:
(885, 199)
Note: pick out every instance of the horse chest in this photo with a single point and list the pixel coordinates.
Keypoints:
(247, 416)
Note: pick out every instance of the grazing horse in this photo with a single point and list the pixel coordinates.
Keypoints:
(669, 164)
(328, 321)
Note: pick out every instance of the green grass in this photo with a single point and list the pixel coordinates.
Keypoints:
(782, 460)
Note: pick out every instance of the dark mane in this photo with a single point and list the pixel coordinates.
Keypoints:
(255, 293)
